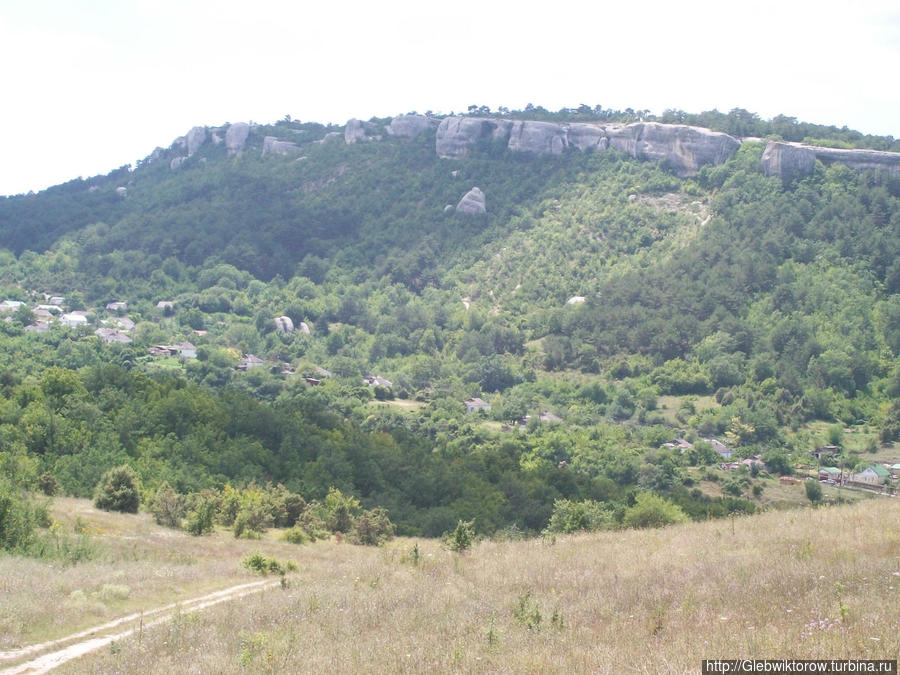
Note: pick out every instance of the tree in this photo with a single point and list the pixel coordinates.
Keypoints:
(118, 490)
(813, 492)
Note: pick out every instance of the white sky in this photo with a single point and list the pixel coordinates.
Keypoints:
(90, 85)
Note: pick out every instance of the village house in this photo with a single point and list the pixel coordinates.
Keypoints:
(377, 381)
(719, 447)
(830, 474)
(874, 475)
(74, 319)
(117, 306)
(826, 451)
(473, 405)
(679, 443)
(549, 417)
(111, 335)
(10, 305)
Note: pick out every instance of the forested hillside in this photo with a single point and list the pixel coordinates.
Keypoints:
(601, 308)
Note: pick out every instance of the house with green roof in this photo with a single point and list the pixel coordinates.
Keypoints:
(873, 475)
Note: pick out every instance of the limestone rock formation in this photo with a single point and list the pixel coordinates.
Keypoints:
(472, 203)
(787, 160)
(587, 137)
(684, 149)
(195, 138)
(795, 160)
(283, 324)
(457, 135)
(539, 138)
(354, 131)
(409, 126)
(272, 146)
(176, 163)
(861, 159)
(330, 136)
(236, 137)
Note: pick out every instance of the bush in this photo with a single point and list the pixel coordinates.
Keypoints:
(118, 490)
(17, 518)
(372, 528)
(167, 506)
(651, 510)
(462, 538)
(202, 513)
(588, 515)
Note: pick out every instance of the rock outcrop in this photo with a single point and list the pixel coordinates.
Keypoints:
(787, 160)
(587, 137)
(456, 136)
(539, 138)
(176, 163)
(795, 160)
(409, 126)
(284, 324)
(195, 138)
(273, 146)
(472, 203)
(236, 137)
(354, 132)
(684, 149)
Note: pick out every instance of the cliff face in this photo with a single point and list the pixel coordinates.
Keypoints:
(684, 149)
(795, 160)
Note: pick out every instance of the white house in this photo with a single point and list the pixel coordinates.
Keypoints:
(473, 405)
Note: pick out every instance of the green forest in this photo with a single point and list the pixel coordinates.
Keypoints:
(619, 326)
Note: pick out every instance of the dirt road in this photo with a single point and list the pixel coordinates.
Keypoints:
(49, 655)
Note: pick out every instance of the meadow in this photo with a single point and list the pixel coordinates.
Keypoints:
(806, 583)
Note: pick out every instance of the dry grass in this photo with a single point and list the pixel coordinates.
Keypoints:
(812, 584)
(135, 565)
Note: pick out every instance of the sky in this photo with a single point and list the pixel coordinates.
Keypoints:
(93, 85)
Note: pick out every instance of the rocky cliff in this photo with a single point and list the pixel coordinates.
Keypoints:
(795, 160)
(683, 148)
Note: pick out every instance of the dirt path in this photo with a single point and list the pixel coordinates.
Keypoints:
(71, 647)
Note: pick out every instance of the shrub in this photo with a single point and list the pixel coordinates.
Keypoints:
(118, 490)
(462, 538)
(372, 528)
(202, 515)
(167, 506)
(339, 511)
(651, 510)
(813, 492)
(588, 515)
(48, 484)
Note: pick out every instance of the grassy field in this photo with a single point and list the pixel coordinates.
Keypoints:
(803, 583)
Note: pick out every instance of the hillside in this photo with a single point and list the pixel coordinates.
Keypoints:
(642, 304)
(804, 584)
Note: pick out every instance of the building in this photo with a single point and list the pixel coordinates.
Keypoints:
(473, 405)
(874, 475)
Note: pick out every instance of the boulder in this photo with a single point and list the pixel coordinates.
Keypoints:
(195, 138)
(121, 191)
(409, 126)
(283, 324)
(457, 135)
(539, 138)
(684, 149)
(787, 160)
(214, 136)
(587, 137)
(236, 137)
(304, 328)
(272, 146)
(472, 203)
